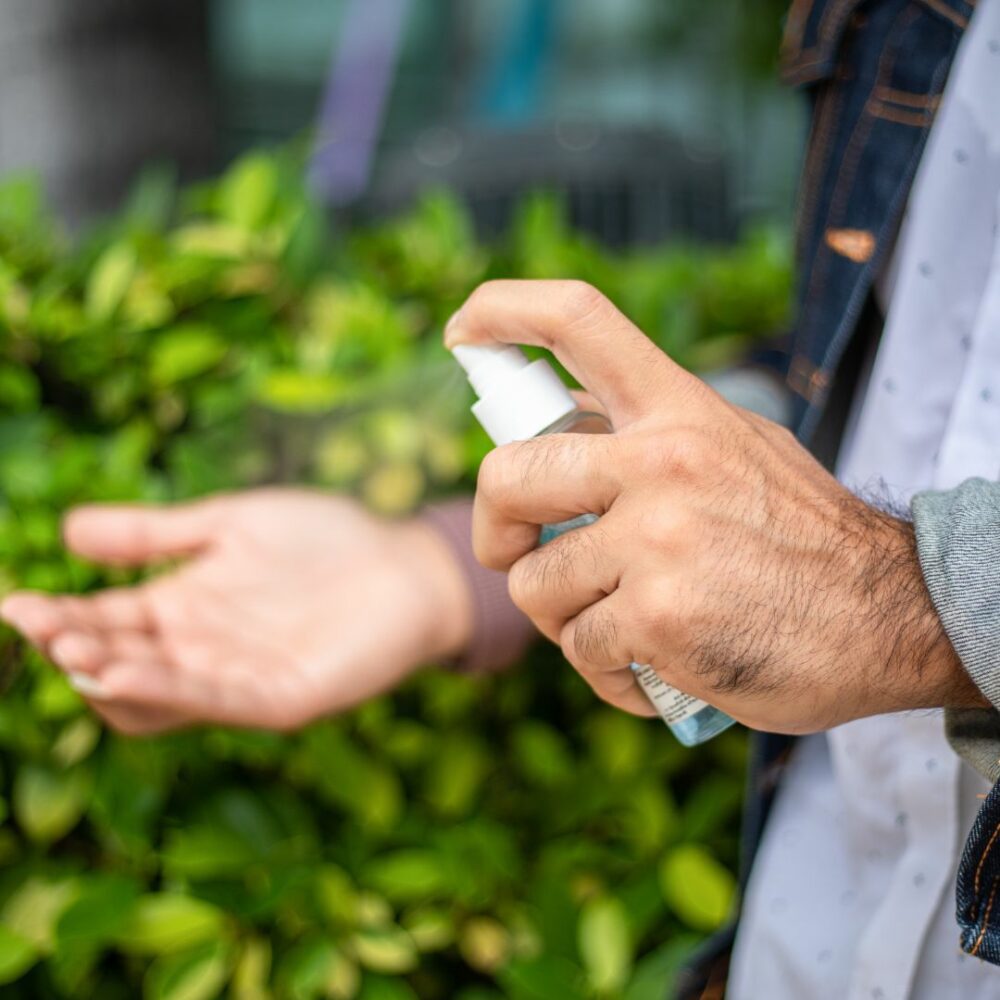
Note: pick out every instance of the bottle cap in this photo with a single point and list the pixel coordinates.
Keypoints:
(518, 398)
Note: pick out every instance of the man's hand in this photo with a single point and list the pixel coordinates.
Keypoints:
(290, 605)
(725, 556)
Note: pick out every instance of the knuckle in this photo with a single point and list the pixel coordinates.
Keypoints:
(679, 455)
(495, 482)
(783, 437)
(521, 584)
(595, 636)
(488, 554)
(532, 462)
(480, 293)
(484, 298)
(583, 300)
(657, 610)
(666, 527)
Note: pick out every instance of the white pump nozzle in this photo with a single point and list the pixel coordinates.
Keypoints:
(518, 398)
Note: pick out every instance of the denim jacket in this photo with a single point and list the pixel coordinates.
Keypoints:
(874, 71)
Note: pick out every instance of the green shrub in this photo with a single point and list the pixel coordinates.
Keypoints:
(468, 838)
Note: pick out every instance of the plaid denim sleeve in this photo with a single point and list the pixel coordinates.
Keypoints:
(958, 541)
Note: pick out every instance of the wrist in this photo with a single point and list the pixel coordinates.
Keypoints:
(919, 663)
(498, 632)
(439, 578)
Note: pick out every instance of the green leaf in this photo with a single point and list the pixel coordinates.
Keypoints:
(457, 774)
(713, 806)
(605, 944)
(619, 743)
(430, 928)
(408, 876)
(164, 923)
(99, 912)
(485, 944)
(21, 201)
(655, 975)
(48, 803)
(252, 971)
(54, 697)
(183, 352)
(303, 392)
(129, 793)
(382, 988)
(336, 895)
(109, 281)
(542, 753)
(201, 852)
(698, 889)
(17, 955)
(316, 968)
(390, 950)
(76, 741)
(19, 391)
(199, 974)
(151, 199)
(34, 908)
(364, 786)
(247, 193)
(543, 978)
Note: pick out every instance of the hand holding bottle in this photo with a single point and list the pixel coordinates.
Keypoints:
(290, 605)
(725, 556)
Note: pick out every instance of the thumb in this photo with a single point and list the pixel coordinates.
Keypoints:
(130, 534)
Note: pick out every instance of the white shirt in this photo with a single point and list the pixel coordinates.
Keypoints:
(852, 895)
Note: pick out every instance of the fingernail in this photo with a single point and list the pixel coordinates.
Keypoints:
(450, 327)
(8, 609)
(89, 687)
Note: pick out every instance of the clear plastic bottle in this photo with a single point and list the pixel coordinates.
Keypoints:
(521, 399)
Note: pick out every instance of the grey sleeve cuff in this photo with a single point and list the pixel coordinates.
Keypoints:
(974, 734)
(958, 542)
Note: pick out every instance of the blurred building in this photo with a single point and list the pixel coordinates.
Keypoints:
(651, 117)
(93, 90)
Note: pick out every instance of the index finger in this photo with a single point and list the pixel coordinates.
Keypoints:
(607, 353)
(545, 480)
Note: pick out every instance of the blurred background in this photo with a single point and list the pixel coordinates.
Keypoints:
(230, 234)
(653, 117)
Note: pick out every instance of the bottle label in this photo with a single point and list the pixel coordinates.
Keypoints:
(674, 706)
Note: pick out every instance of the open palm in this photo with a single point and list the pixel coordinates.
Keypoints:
(290, 604)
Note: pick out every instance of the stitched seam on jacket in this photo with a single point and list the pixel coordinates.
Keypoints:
(946, 12)
(820, 50)
(834, 348)
(982, 860)
(826, 114)
(845, 178)
(906, 98)
(986, 918)
(901, 117)
(791, 47)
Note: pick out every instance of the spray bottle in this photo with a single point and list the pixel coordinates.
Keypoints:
(520, 399)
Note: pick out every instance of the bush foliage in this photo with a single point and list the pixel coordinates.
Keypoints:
(470, 838)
